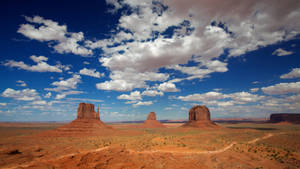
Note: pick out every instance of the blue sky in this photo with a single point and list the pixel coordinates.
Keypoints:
(239, 58)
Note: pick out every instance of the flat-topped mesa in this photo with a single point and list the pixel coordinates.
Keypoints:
(151, 116)
(199, 117)
(285, 117)
(87, 111)
(199, 113)
(151, 122)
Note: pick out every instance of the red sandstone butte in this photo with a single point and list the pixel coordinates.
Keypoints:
(87, 111)
(87, 123)
(199, 117)
(151, 122)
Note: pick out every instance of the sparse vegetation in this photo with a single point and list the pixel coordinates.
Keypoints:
(282, 149)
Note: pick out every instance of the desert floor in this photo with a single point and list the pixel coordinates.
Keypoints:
(244, 145)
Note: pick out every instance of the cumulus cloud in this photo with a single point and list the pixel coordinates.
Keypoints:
(141, 103)
(136, 95)
(281, 52)
(295, 73)
(129, 79)
(253, 90)
(60, 96)
(244, 97)
(282, 88)
(25, 94)
(39, 102)
(91, 72)
(3, 104)
(203, 97)
(21, 83)
(152, 93)
(48, 95)
(222, 99)
(169, 34)
(41, 65)
(47, 30)
(67, 84)
(167, 87)
(64, 94)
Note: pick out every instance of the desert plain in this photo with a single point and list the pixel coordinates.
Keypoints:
(233, 145)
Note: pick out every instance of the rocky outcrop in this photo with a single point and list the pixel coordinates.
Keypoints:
(199, 113)
(87, 111)
(87, 123)
(151, 121)
(199, 116)
(285, 117)
(151, 116)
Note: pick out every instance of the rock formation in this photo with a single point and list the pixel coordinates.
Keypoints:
(87, 123)
(199, 116)
(285, 117)
(151, 121)
(87, 111)
(151, 116)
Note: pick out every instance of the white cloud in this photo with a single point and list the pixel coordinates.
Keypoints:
(222, 99)
(91, 72)
(253, 90)
(67, 84)
(25, 94)
(225, 103)
(41, 65)
(282, 88)
(167, 87)
(130, 79)
(200, 33)
(48, 95)
(200, 73)
(136, 95)
(21, 83)
(244, 97)
(152, 93)
(281, 52)
(60, 96)
(86, 62)
(203, 97)
(39, 102)
(86, 100)
(141, 103)
(38, 59)
(295, 73)
(3, 104)
(66, 93)
(131, 102)
(47, 30)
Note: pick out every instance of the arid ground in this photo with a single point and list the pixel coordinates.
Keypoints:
(243, 145)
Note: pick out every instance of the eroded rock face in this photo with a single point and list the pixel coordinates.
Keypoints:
(199, 113)
(87, 111)
(151, 121)
(199, 117)
(151, 116)
(285, 117)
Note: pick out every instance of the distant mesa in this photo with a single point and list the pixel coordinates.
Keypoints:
(151, 116)
(199, 117)
(151, 121)
(285, 117)
(87, 123)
